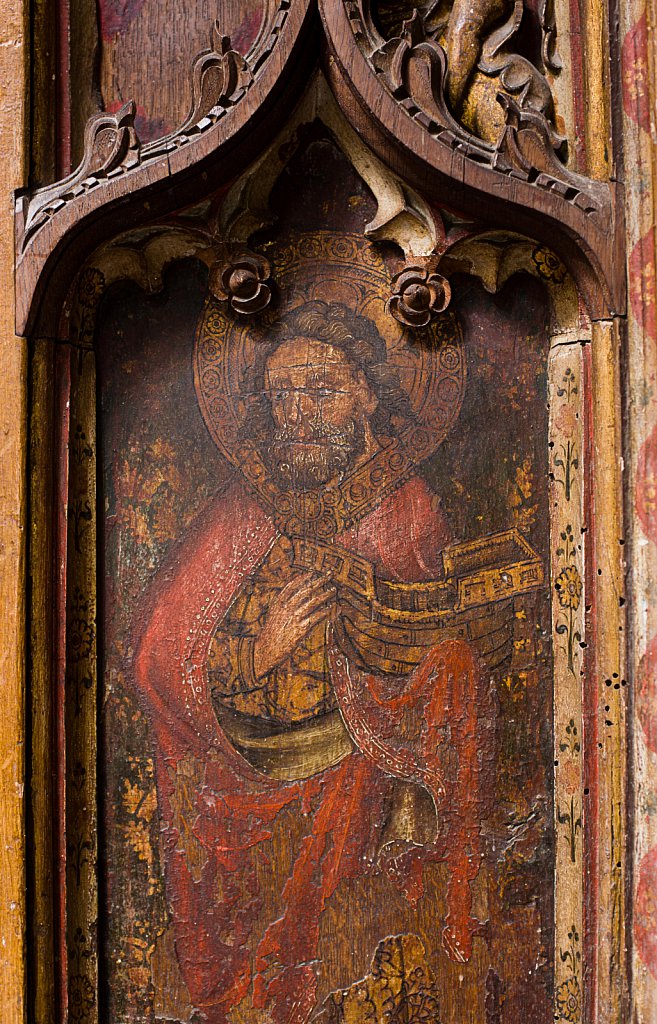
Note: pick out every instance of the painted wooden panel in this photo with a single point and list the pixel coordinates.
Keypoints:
(336, 529)
(327, 698)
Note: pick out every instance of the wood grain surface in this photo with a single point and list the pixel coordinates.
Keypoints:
(13, 395)
(145, 56)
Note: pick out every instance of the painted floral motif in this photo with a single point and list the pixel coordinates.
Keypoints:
(567, 549)
(569, 1001)
(81, 992)
(569, 587)
(572, 819)
(81, 627)
(141, 948)
(81, 998)
(571, 742)
(569, 387)
(548, 265)
(140, 803)
(568, 996)
(80, 855)
(566, 464)
(90, 287)
(90, 290)
(570, 781)
(566, 461)
(156, 488)
(515, 684)
(147, 483)
(80, 643)
(566, 441)
(400, 989)
(521, 492)
(81, 450)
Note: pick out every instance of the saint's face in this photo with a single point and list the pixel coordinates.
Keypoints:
(320, 406)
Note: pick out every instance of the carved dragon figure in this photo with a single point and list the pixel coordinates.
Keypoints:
(480, 41)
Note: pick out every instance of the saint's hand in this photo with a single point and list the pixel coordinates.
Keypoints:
(293, 613)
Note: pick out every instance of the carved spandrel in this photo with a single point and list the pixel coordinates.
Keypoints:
(231, 90)
(221, 77)
(407, 83)
(433, 63)
(482, 50)
(456, 71)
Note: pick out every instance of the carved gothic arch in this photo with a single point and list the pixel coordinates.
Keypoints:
(398, 106)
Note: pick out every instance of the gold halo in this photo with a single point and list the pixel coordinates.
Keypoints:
(430, 365)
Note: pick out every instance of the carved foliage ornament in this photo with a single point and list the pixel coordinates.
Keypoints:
(509, 124)
(429, 67)
(111, 147)
(468, 111)
(447, 69)
(478, 38)
(221, 78)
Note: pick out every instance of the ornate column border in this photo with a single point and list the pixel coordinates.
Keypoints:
(567, 556)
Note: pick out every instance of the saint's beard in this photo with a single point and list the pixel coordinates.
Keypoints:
(324, 453)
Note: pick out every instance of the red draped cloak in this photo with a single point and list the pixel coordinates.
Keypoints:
(214, 901)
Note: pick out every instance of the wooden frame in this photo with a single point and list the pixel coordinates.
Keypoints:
(63, 227)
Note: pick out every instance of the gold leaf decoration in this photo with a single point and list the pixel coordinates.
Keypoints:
(400, 988)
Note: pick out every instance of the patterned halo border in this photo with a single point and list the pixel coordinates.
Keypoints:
(430, 365)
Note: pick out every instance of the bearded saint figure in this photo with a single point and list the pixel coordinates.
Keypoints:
(258, 702)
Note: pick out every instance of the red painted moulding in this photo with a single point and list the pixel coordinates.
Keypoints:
(164, 177)
(590, 243)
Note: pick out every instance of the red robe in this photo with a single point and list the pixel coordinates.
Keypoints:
(215, 901)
